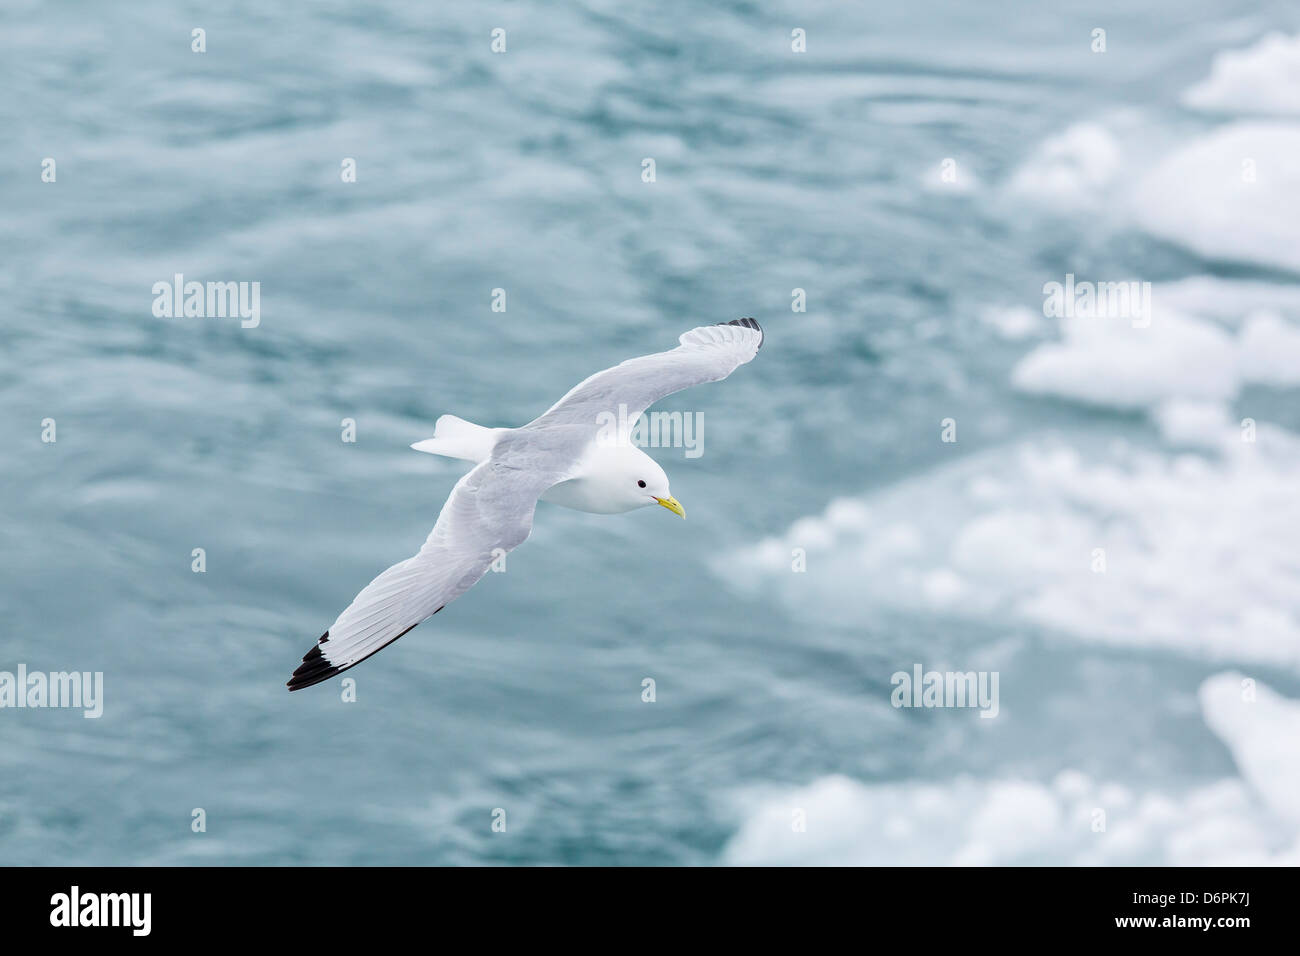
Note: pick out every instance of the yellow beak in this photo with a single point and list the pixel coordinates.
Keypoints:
(673, 505)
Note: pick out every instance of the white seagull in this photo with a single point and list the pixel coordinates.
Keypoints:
(565, 456)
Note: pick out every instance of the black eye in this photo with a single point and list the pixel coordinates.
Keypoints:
(640, 483)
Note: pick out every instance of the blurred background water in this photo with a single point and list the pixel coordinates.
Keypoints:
(775, 171)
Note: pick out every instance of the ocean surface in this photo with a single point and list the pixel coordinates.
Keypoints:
(919, 171)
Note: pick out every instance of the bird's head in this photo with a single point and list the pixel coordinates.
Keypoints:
(630, 479)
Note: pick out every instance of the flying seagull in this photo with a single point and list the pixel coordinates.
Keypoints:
(566, 456)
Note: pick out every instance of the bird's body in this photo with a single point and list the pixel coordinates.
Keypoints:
(568, 456)
(598, 468)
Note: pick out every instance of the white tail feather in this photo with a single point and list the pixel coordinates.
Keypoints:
(456, 438)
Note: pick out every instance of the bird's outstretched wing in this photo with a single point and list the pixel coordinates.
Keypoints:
(706, 354)
(488, 513)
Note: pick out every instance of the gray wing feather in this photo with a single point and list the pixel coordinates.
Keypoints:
(706, 354)
(488, 513)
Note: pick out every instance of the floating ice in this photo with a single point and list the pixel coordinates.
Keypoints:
(1262, 729)
(1114, 543)
(1264, 78)
(1073, 820)
(1194, 424)
(1070, 169)
(1178, 359)
(1270, 350)
(1111, 363)
(1232, 195)
(1014, 322)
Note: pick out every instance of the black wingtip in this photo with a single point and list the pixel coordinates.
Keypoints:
(749, 323)
(315, 667)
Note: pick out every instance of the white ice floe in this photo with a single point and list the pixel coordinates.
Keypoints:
(1072, 820)
(1111, 363)
(1179, 358)
(1270, 350)
(1262, 729)
(1014, 322)
(1112, 543)
(1228, 301)
(1231, 195)
(1069, 170)
(1194, 424)
(1264, 78)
